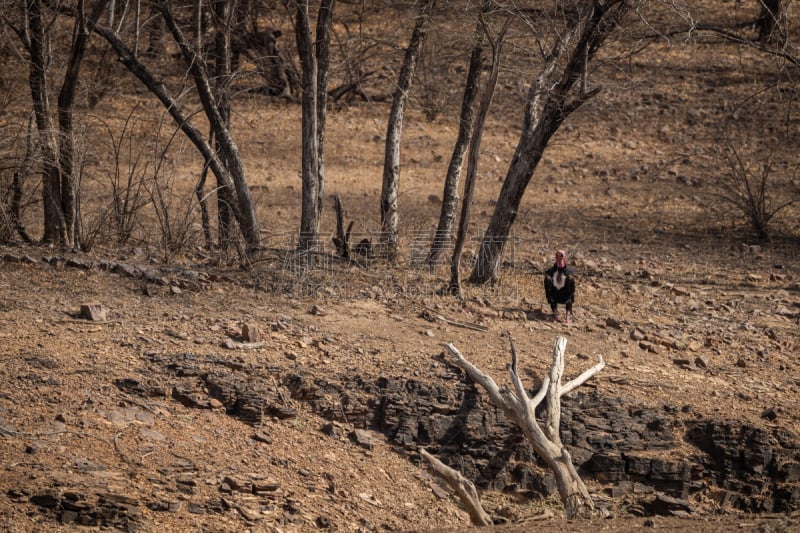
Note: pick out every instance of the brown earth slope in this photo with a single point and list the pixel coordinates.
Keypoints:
(113, 422)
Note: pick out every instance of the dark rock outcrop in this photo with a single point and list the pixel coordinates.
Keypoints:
(636, 450)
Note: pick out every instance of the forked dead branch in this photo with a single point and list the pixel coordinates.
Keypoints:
(521, 409)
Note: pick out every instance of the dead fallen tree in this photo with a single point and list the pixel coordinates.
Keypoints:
(545, 438)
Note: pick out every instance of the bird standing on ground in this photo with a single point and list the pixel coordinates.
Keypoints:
(559, 286)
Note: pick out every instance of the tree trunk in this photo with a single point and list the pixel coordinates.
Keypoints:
(394, 132)
(472, 165)
(323, 52)
(768, 23)
(221, 79)
(309, 226)
(66, 101)
(447, 217)
(548, 104)
(315, 62)
(54, 228)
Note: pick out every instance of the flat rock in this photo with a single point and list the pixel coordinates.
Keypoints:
(363, 438)
(649, 346)
(668, 505)
(260, 436)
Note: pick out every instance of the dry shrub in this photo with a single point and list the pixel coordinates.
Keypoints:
(757, 187)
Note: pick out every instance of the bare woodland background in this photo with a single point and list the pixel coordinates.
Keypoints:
(224, 71)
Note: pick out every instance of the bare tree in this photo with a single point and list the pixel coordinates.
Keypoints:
(521, 409)
(315, 61)
(447, 217)
(59, 183)
(551, 99)
(225, 162)
(394, 132)
(454, 286)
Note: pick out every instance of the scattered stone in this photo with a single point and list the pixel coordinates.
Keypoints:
(127, 270)
(649, 346)
(770, 414)
(701, 361)
(318, 311)
(251, 515)
(667, 505)
(47, 501)
(251, 333)
(363, 438)
(681, 291)
(741, 362)
(279, 325)
(190, 398)
(182, 335)
(260, 436)
(231, 344)
(439, 492)
(186, 479)
(152, 434)
(332, 429)
(637, 334)
(174, 289)
(93, 311)
(613, 323)
(238, 484)
(266, 485)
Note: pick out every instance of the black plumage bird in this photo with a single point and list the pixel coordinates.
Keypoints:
(559, 286)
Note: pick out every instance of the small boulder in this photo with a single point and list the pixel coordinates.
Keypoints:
(250, 332)
(771, 413)
(93, 311)
(363, 438)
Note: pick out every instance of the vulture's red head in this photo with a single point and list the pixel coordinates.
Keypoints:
(561, 259)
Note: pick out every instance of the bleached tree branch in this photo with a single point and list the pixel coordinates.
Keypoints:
(464, 489)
